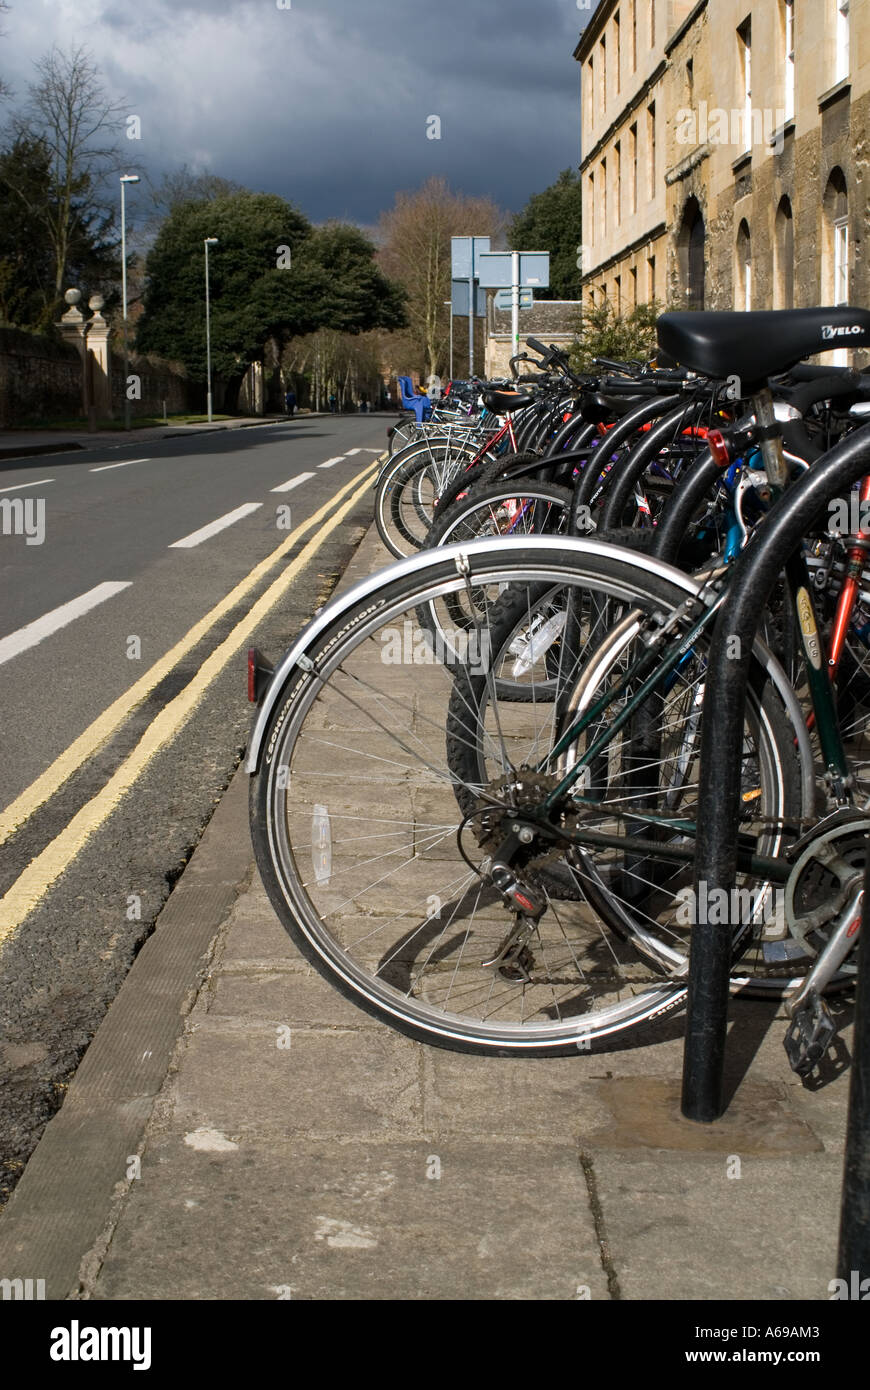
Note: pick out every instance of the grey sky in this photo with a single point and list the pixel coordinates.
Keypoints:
(326, 102)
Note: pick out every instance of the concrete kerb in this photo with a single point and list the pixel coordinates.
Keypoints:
(78, 1170)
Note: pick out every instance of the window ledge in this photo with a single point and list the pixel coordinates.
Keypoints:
(779, 135)
(841, 88)
(742, 163)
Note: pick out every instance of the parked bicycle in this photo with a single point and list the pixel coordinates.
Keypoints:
(474, 776)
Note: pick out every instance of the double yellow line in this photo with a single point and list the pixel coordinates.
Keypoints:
(33, 883)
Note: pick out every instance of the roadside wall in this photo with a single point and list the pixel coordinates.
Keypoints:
(41, 379)
(38, 378)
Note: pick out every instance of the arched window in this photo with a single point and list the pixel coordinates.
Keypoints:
(783, 253)
(690, 246)
(835, 247)
(743, 279)
(836, 250)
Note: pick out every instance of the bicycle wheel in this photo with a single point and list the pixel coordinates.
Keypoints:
(403, 434)
(408, 488)
(640, 788)
(492, 512)
(521, 507)
(487, 471)
(373, 865)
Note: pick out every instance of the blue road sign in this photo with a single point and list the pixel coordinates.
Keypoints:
(504, 299)
(496, 269)
(459, 295)
(465, 253)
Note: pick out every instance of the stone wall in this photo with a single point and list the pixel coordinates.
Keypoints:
(159, 382)
(39, 378)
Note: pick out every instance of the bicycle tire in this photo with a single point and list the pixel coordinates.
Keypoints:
(349, 701)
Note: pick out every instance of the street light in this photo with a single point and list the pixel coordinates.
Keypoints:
(125, 179)
(208, 241)
(449, 304)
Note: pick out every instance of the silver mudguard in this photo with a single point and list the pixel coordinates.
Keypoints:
(545, 545)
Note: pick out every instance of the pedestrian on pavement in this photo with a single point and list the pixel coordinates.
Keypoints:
(332, 403)
(290, 402)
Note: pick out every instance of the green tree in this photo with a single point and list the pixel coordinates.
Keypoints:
(271, 276)
(27, 249)
(552, 221)
(355, 294)
(70, 116)
(603, 333)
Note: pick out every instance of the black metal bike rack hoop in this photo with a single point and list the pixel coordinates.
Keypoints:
(853, 1260)
(753, 577)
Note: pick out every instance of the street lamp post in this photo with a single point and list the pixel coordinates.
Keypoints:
(125, 179)
(209, 241)
(449, 304)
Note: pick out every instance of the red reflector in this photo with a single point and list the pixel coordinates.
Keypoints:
(252, 675)
(719, 448)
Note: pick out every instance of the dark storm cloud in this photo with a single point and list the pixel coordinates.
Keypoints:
(327, 102)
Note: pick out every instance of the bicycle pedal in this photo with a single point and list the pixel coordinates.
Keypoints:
(810, 1034)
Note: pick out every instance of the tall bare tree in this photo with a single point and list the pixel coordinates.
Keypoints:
(415, 239)
(71, 116)
(5, 89)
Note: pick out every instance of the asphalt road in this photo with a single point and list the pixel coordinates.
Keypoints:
(128, 576)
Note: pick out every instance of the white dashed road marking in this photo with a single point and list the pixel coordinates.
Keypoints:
(205, 532)
(293, 482)
(124, 464)
(43, 627)
(330, 462)
(38, 483)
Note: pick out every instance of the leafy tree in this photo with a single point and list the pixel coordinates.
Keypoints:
(551, 221)
(415, 237)
(71, 118)
(271, 276)
(27, 250)
(179, 186)
(603, 333)
(26, 260)
(356, 295)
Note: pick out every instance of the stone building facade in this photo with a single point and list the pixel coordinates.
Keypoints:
(624, 104)
(757, 182)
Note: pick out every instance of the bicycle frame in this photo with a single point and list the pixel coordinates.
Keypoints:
(654, 665)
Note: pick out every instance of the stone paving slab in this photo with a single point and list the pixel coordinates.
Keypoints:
(299, 1148)
(308, 1220)
(730, 1228)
